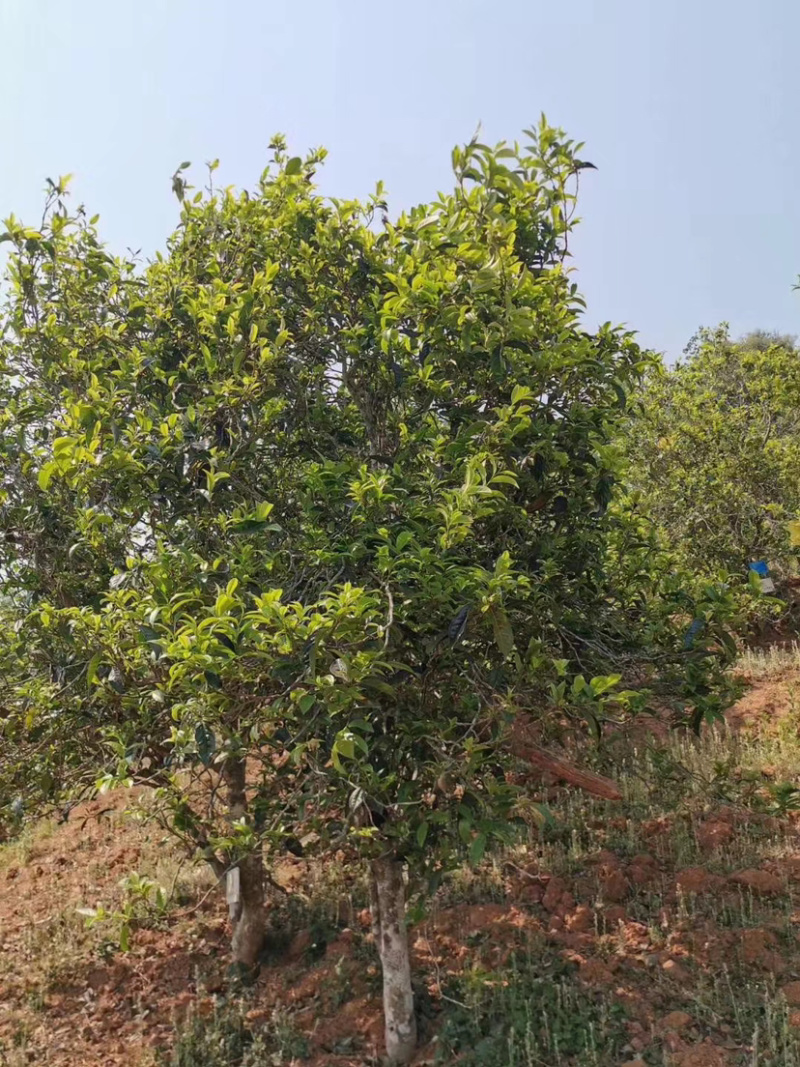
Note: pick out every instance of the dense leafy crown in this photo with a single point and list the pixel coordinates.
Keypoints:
(716, 451)
(315, 487)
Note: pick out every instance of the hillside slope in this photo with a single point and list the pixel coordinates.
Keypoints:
(659, 930)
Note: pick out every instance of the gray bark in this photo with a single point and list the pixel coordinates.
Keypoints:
(389, 924)
(249, 926)
(248, 916)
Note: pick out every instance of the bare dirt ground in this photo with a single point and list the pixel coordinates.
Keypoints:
(659, 930)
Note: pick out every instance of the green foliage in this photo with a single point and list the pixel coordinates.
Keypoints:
(664, 630)
(328, 496)
(529, 1013)
(715, 452)
(144, 903)
(226, 1039)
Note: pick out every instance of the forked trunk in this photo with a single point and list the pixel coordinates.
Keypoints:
(247, 898)
(389, 924)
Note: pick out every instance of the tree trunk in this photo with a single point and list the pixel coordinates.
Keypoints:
(247, 913)
(249, 928)
(389, 901)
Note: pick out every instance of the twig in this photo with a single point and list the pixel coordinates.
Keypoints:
(435, 963)
(390, 620)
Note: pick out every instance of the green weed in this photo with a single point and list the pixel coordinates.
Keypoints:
(530, 1013)
(226, 1039)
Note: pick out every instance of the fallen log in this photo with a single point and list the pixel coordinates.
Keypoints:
(568, 772)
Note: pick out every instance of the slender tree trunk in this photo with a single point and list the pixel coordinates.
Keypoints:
(249, 927)
(388, 898)
(248, 912)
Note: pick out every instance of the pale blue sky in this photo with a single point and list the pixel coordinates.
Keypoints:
(689, 108)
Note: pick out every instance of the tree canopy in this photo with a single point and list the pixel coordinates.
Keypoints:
(715, 451)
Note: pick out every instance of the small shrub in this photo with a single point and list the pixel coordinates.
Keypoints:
(144, 904)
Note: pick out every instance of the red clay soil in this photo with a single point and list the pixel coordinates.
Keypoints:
(768, 701)
(62, 1003)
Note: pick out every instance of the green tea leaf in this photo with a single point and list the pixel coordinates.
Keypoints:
(503, 633)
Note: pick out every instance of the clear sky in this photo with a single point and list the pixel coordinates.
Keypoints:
(688, 107)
